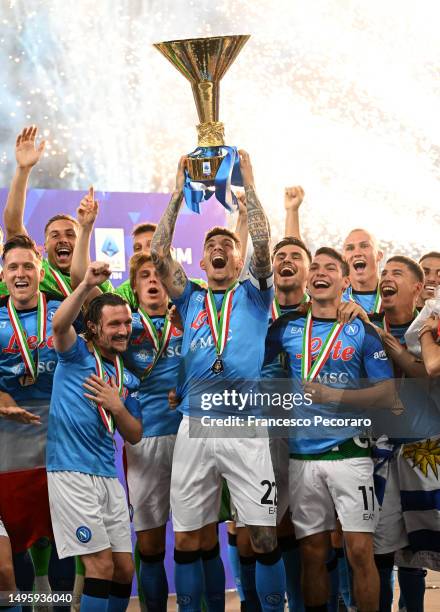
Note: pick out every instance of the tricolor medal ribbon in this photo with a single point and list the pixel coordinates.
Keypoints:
(377, 300)
(160, 343)
(309, 370)
(62, 285)
(107, 417)
(276, 309)
(219, 323)
(21, 338)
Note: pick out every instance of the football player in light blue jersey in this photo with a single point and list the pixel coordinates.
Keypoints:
(27, 366)
(93, 393)
(236, 354)
(332, 469)
(363, 255)
(154, 356)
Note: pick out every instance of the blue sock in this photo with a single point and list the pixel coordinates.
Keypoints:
(234, 562)
(95, 595)
(247, 576)
(93, 604)
(292, 564)
(332, 570)
(412, 587)
(270, 578)
(215, 580)
(188, 577)
(119, 597)
(154, 582)
(385, 564)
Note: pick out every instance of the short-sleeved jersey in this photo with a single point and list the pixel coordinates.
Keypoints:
(365, 299)
(244, 352)
(420, 410)
(357, 355)
(12, 367)
(157, 417)
(77, 438)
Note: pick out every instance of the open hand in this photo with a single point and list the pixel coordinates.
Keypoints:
(26, 153)
(107, 395)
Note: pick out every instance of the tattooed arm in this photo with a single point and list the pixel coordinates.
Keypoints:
(170, 271)
(258, 225)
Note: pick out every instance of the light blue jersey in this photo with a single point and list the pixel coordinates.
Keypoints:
(77, 439)
(157, 417)
(357, 354)
(12, 368)
(368, 300)
(243, 355)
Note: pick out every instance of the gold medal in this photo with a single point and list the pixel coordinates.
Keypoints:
(217, 367)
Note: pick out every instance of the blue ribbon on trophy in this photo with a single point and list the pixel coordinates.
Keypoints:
(213, 167)
(227, 175)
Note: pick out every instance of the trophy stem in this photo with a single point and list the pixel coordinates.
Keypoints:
(206, 95)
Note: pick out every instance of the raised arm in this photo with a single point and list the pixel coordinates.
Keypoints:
(86, 214)
(27, 155)
(62, 325)
(171, 273)
(293, 197)
(241, 228)
(258, 225)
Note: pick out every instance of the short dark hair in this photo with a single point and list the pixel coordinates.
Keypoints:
(294, 242)
(136, 262)
(434, 254)
(411, 264)
(61, 217)
(21, 241)
(222, 231)
(334, 254)
(93, 313)
(140, 228)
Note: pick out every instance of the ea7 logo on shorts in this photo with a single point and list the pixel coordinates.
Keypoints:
(83, 534)
(184, 600)
(351, 329)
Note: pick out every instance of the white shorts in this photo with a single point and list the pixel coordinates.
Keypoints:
(390, 534)
(196, 482)
(320, 489)
(89, 513)
(3, 531)
(149, 480)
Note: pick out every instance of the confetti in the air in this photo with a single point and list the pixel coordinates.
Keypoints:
(340, 96)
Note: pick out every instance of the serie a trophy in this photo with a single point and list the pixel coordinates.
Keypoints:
(213, 167)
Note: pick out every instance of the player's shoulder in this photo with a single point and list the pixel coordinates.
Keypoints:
(53, 300)
(291, 318)
(368, 329)
(131, 381)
